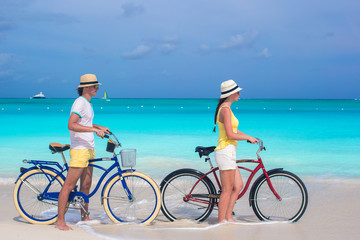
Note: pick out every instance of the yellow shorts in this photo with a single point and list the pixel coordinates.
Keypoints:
(80, 157)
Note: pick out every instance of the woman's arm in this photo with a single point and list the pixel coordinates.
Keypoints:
(225, 117)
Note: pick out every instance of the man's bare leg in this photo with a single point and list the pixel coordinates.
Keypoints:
(85, 185)
(70, 182)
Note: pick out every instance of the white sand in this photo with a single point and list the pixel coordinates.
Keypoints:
(333, 213)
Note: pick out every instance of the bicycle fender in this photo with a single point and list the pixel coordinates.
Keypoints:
(43, 167)
(252, 191)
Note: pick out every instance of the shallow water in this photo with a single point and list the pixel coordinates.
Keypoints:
(310, 137)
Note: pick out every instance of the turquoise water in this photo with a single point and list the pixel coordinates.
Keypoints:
(308, 137)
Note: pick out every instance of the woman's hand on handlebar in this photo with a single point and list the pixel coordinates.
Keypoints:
(252, 140)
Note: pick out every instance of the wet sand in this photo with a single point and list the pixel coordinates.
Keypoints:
(332, 213)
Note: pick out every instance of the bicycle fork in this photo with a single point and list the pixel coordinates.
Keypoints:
(271, 186)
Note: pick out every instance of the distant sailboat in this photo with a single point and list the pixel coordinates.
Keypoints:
(106, 97)
(39, 96)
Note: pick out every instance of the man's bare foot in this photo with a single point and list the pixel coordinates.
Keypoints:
(63, 227)
(85, 219)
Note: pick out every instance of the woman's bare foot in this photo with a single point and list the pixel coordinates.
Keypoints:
(63, 227)
(230, 220)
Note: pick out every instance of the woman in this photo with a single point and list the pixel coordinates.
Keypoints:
(225, 152)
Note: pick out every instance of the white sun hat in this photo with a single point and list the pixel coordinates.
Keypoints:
(229, 87)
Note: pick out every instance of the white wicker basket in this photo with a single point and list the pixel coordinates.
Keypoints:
(128, 158)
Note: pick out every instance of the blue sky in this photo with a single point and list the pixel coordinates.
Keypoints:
(181, 49)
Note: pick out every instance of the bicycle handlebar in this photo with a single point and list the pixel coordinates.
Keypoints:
(113, 135)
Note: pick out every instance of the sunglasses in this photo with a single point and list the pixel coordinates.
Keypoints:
(96, 86)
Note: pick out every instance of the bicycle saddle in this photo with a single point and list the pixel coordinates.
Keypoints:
(204, 150)
(57, 147)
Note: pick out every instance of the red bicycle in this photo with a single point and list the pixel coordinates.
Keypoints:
(276, 195)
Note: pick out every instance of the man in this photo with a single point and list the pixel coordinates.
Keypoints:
(82, 150)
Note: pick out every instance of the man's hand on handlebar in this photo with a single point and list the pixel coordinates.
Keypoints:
(101, 131)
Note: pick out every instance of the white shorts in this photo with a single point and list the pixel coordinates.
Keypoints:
(226, 157)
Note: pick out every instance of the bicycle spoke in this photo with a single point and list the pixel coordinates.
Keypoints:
(292, 202)
(178, 192)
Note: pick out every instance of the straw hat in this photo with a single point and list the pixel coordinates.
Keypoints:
(229, 87)
(88, 80)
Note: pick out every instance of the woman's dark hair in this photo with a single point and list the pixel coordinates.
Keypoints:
(221, 101)
(80, 91)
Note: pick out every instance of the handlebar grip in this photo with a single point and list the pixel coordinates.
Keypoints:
(106, 136)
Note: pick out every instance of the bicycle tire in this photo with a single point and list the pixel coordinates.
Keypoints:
(176, 186)
(293, 193)
(28, 203)
(145, 206)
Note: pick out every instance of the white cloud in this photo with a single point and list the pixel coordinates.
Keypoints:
(204, 48)
(235, 41)
(139, 52)
(238, 41)
(168, 44)
(164, 46)
(173, 39)
(43, 79)
(167, 47)
(265, 53)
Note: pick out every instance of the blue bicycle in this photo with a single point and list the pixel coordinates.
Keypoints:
(127, 195)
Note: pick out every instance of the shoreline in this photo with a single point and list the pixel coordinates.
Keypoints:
(332, 213)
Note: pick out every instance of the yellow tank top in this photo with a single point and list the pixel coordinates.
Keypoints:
(223, 140)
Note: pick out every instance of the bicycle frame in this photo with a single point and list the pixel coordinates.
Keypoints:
(260, 165)
(60, 170)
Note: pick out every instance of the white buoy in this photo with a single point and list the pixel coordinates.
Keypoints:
(62, 110)
(181, 107)
(128, 107)
(2, 109)
(290, 109)
(101, 108)
(19, 109)
(47, 108)
(142, 106)
(154, 106)
(264, 108)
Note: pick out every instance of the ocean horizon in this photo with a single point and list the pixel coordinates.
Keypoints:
(305, 136)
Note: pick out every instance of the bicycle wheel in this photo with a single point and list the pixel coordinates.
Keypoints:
(178, 203)
(28, 201)
(144, 205)
(291, 189)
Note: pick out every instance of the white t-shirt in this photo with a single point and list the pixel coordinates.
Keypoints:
(82, 140)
